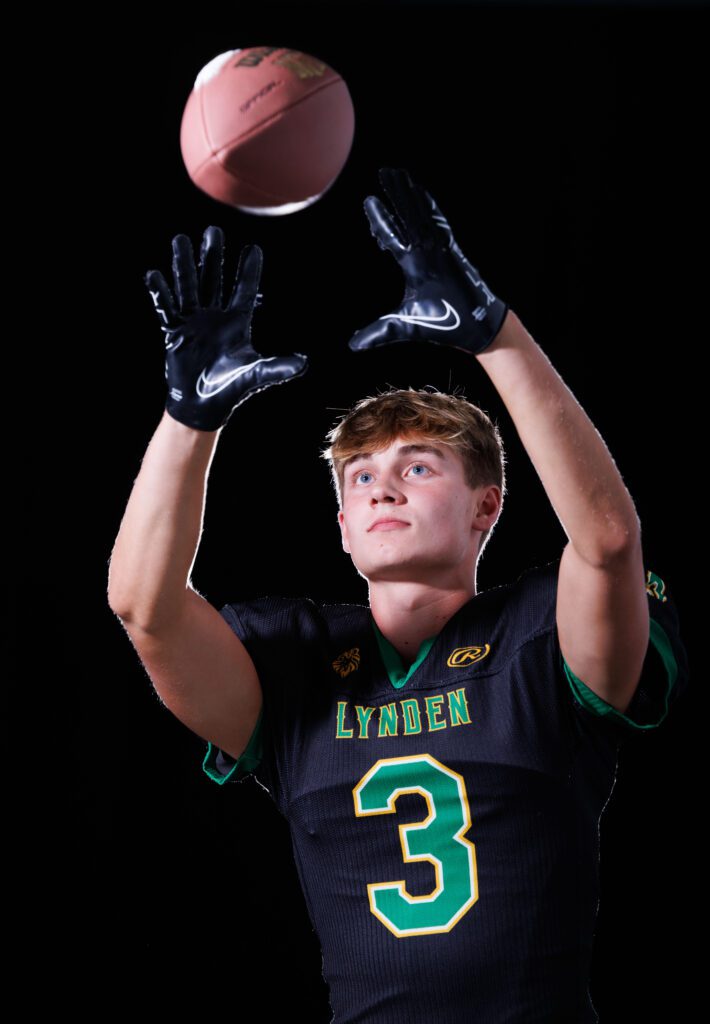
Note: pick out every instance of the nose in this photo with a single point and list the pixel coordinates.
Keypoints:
(385, 490)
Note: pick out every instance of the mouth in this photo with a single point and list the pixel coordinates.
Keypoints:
(388, 524)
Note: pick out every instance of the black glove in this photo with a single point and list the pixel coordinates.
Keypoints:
(445, 300)
(210, 364)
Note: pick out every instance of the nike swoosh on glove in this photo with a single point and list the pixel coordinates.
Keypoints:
(446, 301)
(210, 364)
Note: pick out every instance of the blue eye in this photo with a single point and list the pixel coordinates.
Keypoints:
(417, 466)
(358, 478)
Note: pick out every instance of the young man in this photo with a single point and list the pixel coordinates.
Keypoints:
(444, 755)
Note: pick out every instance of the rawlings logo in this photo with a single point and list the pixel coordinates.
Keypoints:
(463, 656)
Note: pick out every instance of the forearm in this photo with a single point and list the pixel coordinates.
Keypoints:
(576, 469)
(158, 538)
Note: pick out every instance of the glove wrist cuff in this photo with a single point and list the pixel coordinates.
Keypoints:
(191, 417)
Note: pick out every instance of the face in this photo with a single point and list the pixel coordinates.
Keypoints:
(408, 513)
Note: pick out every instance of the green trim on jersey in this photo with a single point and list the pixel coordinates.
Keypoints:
(594, 703)
(399, 675)
(249, 760)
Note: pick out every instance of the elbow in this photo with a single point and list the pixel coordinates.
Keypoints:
(117, 601)
(621, 544)
(122, 602)
(124, 594)
(614, 545)
(119, 607)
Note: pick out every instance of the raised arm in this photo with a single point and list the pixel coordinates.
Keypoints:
(200, 669)
(602, 608)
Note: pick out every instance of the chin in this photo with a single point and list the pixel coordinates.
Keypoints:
(400, 572)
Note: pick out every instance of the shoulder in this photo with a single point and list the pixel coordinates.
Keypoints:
(664, 675)
(298, 638)
(536, 581)
(273, 618)
(526, 604)
(535, 590)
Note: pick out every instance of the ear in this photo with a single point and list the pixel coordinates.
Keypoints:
(343, 532)
(488, 507)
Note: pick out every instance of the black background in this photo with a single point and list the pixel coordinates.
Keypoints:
(561, 143)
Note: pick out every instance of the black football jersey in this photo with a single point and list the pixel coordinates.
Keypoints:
(444, 817)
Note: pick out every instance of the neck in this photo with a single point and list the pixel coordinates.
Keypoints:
(408, 613)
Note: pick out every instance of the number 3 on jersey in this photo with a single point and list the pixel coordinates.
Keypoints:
(438, 839)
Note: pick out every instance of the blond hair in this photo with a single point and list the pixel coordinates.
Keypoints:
(373, 423)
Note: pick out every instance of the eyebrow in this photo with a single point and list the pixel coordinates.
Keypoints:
(405, 449)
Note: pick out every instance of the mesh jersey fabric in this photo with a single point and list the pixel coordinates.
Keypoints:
(444, 820)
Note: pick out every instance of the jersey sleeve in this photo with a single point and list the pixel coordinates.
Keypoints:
(279, 635)
(664, 675)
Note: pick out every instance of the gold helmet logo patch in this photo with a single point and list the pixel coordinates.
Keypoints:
(463, 656)
(347, 662)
